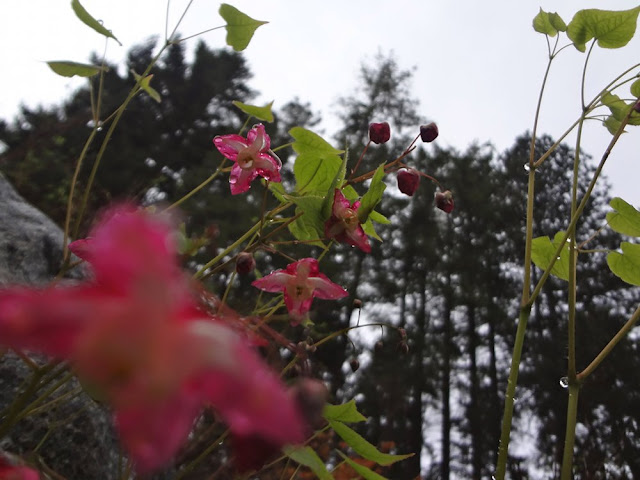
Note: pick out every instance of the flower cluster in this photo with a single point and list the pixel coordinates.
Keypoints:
(136, 335)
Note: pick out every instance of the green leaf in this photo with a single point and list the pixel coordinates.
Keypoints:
(543, 250)
(612, 124)
(364, 448)
(625, 220)
(373, 195)
(617, 106)
(145, 84)
(635, 88)
(240, 27)
(278, 191)
(557, 22)
(70, 69)
(309, 226)
(261, 113)
(379, 218)
(347, 412)
(363, 471)
(626, 265)
(369, 229)
(307, 142)
(315, 174)
(309, 458)
(612, 29)
(548, 23)
(88, 20)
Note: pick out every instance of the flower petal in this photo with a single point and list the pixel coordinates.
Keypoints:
(230, 145)
(240, 179)
(152, 434)
(258, 138)
(325, 288)
(274, 282)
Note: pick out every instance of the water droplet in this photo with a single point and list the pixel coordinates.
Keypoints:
(101, 22)
(99, 129)
(564, 382)
(515, 399)
(527, 167)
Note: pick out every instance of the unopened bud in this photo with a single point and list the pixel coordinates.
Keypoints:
(408, 181)
(636, 107)
(403, 347)
(379, 132)
(245, 263)
(379, 346)
(428, 133)
(444, 201)
(354, 364)
(357, 303)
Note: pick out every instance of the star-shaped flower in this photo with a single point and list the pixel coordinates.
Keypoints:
(344, 225)
(300, 281)
(250, 157)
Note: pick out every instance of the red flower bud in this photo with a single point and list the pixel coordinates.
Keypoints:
(379, 132)
(428, 133)
(408, 181)
(245, 263)
(444, 201)
(354, 364)
(636, 107)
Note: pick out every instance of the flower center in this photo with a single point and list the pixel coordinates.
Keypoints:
(245, 159)
(350, 219)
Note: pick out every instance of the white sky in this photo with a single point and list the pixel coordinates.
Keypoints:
(478, 64)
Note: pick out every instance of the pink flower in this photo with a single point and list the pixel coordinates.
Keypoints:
(135, 334)
(300, 282)
(250, 158)
(10, 472)
(344, 225)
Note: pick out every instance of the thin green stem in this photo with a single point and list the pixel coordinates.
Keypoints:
(205, 453)
(509, 402)
(525, 310)
(570, 434)
(626, 328)
(198, 188)
(227, 250)
(108, 136)
(200, 33)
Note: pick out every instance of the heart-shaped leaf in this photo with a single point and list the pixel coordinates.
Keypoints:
(240, 27)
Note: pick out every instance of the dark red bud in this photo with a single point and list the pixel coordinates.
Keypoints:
(408, 181)
(444, 201)
(245, 263)
(379, 132)
(403, 347)
(428, 133)
(379, 346)
(354, 364)
(636, 107)
(357, 303)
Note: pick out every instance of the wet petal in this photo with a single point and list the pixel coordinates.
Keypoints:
(230, 145)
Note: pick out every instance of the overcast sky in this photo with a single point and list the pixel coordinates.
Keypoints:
(478, 64)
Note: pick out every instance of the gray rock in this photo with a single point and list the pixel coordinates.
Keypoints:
(30, 242)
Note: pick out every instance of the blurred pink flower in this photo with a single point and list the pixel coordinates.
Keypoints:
(135, 334)
(250, 157)
(10, 472)
(344, 225)
(300, 282)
